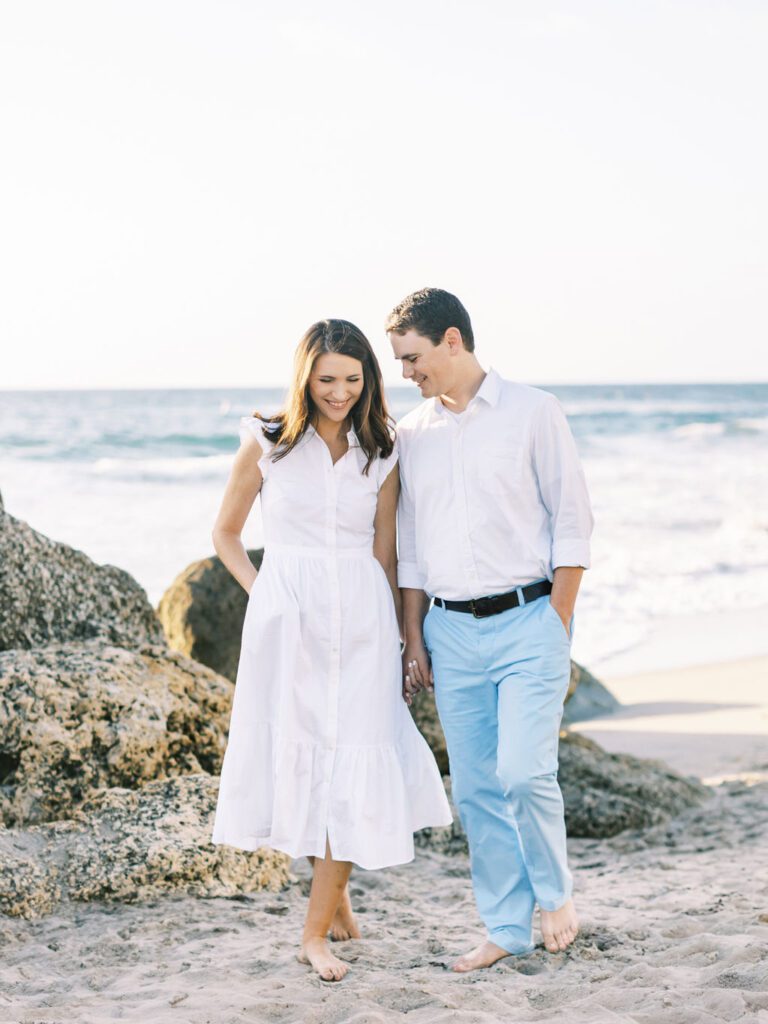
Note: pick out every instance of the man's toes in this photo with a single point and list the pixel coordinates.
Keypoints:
(463, 964)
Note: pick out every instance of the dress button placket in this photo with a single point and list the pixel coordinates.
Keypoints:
(334, 661)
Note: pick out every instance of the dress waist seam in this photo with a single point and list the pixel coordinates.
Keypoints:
(327, 553)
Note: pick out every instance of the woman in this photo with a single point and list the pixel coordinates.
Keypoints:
(323, 759)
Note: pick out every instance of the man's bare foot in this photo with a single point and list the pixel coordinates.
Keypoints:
(344, 926)
(559, 927)
(315, 952)
(481, 956)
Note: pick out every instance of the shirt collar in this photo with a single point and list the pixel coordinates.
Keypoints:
(488, 391)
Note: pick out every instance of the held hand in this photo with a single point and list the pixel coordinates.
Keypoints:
(417, 671)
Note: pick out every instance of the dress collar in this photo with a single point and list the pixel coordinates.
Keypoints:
(311, 431)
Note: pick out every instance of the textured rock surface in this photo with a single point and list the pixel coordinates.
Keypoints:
(607, 793)
(77, 717)
(604, 794)
(586, 698)
(131, 845)
(50, 593)
(202, 613)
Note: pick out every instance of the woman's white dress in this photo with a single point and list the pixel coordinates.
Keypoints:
(321, 742)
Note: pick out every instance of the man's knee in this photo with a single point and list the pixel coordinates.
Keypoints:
(520, 785)
(472, 786)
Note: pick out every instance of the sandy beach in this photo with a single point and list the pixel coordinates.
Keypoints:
(705, 720)
(674, 918)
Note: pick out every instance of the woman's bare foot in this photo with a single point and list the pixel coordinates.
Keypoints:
(344, 926)
(315, 952)
(481, 956)
(559, 927)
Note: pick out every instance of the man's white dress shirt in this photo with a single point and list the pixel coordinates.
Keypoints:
(493, 498)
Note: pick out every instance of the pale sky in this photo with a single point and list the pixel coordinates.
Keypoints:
(186, 185)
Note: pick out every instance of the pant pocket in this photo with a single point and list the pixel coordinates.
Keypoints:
(554, 615)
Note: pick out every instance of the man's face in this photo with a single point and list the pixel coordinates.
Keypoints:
(427, 365)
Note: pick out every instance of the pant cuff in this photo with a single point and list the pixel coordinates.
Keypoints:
(504, 938)
(556, 903)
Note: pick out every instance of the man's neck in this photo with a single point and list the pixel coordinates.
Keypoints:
(459, 396)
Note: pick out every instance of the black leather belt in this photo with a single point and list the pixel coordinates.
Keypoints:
(482, 607)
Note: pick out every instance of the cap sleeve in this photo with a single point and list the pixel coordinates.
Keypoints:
(385, 466)
(252, 426)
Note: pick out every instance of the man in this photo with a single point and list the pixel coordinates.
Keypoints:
(494, 524)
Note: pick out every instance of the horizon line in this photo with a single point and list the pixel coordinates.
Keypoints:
(399, 386)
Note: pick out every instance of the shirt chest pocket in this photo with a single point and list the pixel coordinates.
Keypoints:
(498, 470)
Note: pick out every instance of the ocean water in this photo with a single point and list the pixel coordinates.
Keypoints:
(678, 476)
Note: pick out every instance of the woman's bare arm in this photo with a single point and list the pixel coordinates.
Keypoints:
(243, 485)
(385, 536)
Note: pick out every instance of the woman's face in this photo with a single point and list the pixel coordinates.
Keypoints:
(335, 385)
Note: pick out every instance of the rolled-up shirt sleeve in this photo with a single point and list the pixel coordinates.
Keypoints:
(562, 486)
(408, 573)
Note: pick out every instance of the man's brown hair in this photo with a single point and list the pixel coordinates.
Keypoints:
(430, 312)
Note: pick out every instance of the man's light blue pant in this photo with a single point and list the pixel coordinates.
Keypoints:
(500, 684)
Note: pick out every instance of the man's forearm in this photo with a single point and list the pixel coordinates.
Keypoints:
(565, 588)
(415, 604)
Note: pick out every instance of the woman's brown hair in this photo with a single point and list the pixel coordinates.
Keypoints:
(371, 421)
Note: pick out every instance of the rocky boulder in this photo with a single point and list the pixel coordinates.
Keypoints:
(78, 717)
(202, 613)
(50, 593)
(131, 845)
(607, 793)
(587, 697)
